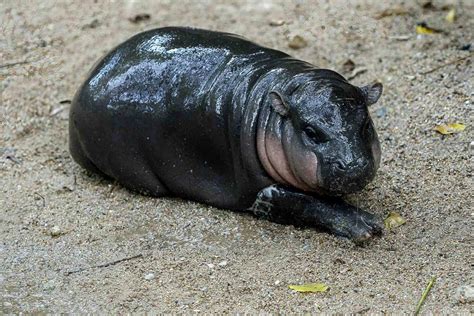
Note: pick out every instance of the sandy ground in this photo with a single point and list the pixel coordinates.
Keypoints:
(63, 232)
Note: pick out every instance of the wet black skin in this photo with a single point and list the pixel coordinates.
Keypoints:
(175, 112)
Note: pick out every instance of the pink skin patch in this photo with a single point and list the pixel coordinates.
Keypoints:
(262, 154)
(302, 161)
(301, 174)
(279, 161)
(377, 153)
(307, 168)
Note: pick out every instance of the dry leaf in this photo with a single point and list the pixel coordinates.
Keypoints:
(297, 42)
(451, 128)
(348, 66)
(309, 287)
(394, 220)
(427, 5)
(56, 111)
(139, 18)
(276, 22)
(400, 37)
(423, 28)
(392, 12)
(451, 16)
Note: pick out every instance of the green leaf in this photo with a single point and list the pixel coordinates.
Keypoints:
(451, 16)
(309, 287)
(394, 220)
(452, 128)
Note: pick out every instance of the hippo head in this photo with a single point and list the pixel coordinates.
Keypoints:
(319, 136)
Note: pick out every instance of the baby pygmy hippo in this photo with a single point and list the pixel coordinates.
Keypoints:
(218, 119)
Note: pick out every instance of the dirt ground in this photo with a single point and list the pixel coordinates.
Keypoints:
(73, 242)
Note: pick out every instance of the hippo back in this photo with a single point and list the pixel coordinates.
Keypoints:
(174, 102)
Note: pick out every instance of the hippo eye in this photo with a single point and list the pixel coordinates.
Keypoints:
(315, 135)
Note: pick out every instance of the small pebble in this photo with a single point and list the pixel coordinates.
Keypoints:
(149, 276)
(55, 231)
(382, 112)
(471, 145)
(277, 282)
(465, 294)
(211, 265)
(49, 285)
(222, 263)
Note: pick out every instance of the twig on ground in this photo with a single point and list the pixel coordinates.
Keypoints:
(42, 198)
(357, 71)
(104, 265)
(15, 63)
(424, 295)
(446, 64)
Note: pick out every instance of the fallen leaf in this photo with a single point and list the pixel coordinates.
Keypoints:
(451, 128)
(451, 16)
(400, 37)
(309, 287)
(92, 25)
(427, 5)
(276, 22)
(423, 28)
(57, 110)
(394, 220)
(348, 65)
(139, 18)
(297, 42)
(391, 12)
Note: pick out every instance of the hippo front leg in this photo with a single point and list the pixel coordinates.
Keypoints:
(288, 206)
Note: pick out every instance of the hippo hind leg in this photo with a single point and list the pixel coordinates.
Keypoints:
(136, 177)
(142, 180)
(77, 153)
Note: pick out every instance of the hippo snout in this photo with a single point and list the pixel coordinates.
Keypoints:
(348, 177)
(341, 166)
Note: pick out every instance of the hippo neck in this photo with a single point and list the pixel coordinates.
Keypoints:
(258, 122)
(271, 151)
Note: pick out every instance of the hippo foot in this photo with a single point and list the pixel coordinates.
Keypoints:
(288, 206)
(351, 222)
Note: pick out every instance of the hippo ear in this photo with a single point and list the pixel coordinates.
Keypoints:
(279, 104)
(372, 92)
